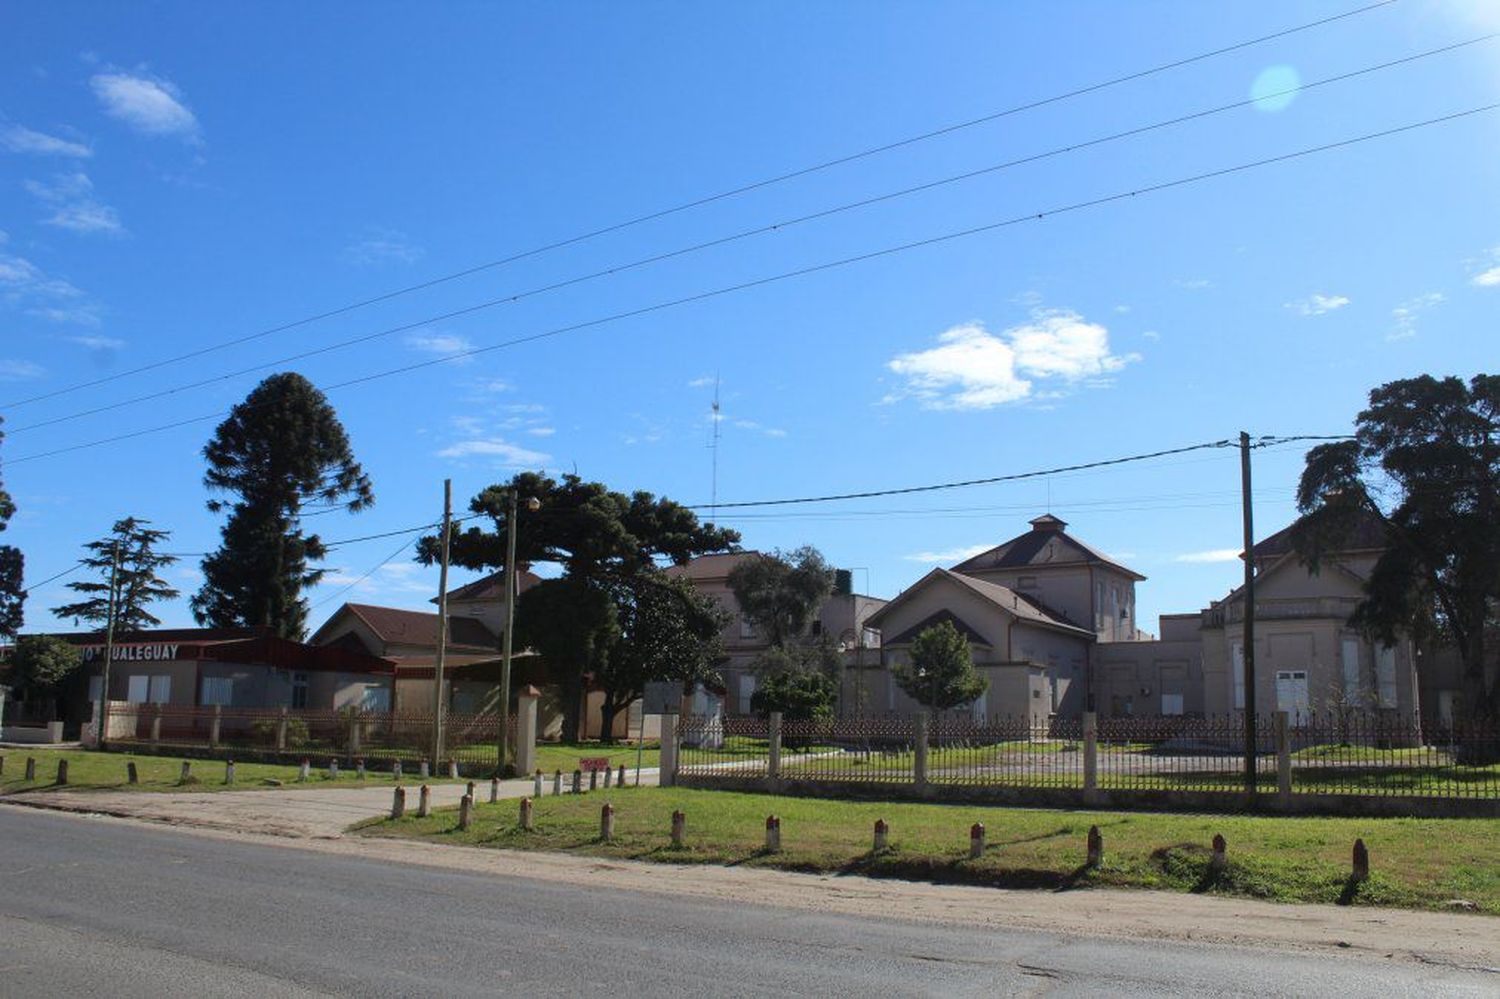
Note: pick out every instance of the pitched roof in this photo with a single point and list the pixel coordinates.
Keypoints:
(1368, 535)
(1018, 605)
(973, 637)
(406, 627)
(492, 586)
(1021, 551)
(710, 566)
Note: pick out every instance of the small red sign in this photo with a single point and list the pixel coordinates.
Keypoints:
(591, 763)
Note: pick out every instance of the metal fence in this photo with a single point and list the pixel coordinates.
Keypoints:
(377, 737)
(1306, 757)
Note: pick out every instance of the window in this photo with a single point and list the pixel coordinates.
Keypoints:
(747, 627)
(747, 691)
(218, 690)
(1171, 704)
(139, 691)
(376, 699)
(1238, 652)
(870, 638)
(1385, 676)
(161, 689)
(1349, 653)
(299, 690)
(980, 707)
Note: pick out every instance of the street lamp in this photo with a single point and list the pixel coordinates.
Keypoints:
(532, 504)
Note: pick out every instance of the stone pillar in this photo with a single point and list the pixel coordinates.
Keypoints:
(525, 749)
(919, 750)
(667, 774)
(526, 819)
(882, 835)
(398, 803)
(1283, 760)
(356, 726)
(281, 732)
(213, 727)
(773, 757)
(607, 822)
(424, 802)
(156, 725)
(1090, 758)
(976, 841)
(465, 808)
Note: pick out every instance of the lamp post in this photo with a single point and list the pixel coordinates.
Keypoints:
(532, 504)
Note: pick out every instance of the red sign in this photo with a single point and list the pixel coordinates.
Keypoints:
(591, 763)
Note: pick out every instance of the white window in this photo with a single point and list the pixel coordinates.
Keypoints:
(870, 638)
(747, 627)
(1385, 676)
(139, 690)
(161, 689)
(1291, 691)
(376, 699)
(1237, 651)
(218, 690)
(1349, 651)
(747, 691)
(96, 683)
(1171, 704)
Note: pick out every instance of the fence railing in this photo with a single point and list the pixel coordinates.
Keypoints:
(377, 737)
(1300, 760)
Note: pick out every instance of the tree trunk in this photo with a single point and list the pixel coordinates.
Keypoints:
(572, 711)
(607, 712)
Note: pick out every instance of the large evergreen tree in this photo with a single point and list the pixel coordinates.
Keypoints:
(281, 448)
(941, 673)
(12, 567)
(782, 593)
(137, 582)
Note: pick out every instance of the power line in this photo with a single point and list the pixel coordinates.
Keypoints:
(51, 579)
(368, 573)
(703, 201)
(771, 227)
(811, 269)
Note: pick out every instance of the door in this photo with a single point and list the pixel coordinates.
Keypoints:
(1291, 691)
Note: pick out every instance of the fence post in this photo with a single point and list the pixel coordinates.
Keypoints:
(281, 732)
(919, 750)
(398, 803)
(156, 726)
(354, 732)
(525, 751)
(667, 768)
(1090, 758)
(1283, 760)
(526, 819)
(465, 807)
(213, 727)
(773, 752)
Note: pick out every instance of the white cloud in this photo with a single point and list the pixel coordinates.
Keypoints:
(379, 246)
(70, 197)
(148, 104)
(947, 555)
(18, 371)
(703, 382)
(392, 578)
(439, 343)
(512, 455)
(1404, 316)
(1151, 335)
(99, 343)
(753, 426)
(1212, 555)
(1317, 304)
(20, 139)
(542, 431)
(1489, 278)
(972, 368)
(1193, 284)
(25, 285)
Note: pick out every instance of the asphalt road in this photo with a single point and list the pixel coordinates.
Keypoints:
(92, 906)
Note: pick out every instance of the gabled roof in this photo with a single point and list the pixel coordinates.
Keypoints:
(1019, 606)
(492, 587)
(1048, 534)
(710, 566)
(1368, 535)
(973, 637)
(405, 627)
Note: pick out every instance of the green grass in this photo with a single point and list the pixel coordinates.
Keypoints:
(106, 771)
(554, 756)
(1415, 863)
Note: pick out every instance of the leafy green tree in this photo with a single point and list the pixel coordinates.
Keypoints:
(12, 569)
(280, 449)
(572, 623)
(668, 631)
(40, 664)
(782, 592)
(941, 672)
(137, 583)
(794, 686)
(1425, 464)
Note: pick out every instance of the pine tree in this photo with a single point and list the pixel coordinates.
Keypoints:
(137, 580)
(279, 449)
(12, 566)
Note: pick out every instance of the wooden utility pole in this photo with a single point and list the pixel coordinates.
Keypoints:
(438, 702)
(502, 761)
(109, 644)
(1248, 639)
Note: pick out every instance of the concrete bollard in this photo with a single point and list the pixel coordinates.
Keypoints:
(469, 789)
(1096, 847)
(132, 776)
(557, 784)
(398, 803)
(679, 826)
(424, 802)
(465, 807)
(1361, 869)
(62, 771)
(536, 785)
(229, 771)
(333, 769)
(187, 772)
(976, 841)
(607, 822)
(773, 834)
(577, 781)
(495, 789)
(422, 770)
(593, 780)
(359, 768)
(1217, 861)
(453, 770)
(396, 771)
(609, 777)
(526, 820)
(621, 781)
(882, 835)
(304, 772)
(30, 769)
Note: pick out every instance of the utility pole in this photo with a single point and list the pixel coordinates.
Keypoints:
(502, 761)
(109, 644)
(438, 703)
(1248, 639)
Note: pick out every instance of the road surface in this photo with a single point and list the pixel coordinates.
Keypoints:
(95, 906)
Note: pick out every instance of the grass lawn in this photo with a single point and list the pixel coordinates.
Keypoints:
(89, 770)
(1415, 863)
(554, 756)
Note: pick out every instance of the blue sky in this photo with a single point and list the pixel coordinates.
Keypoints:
(173, 176)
